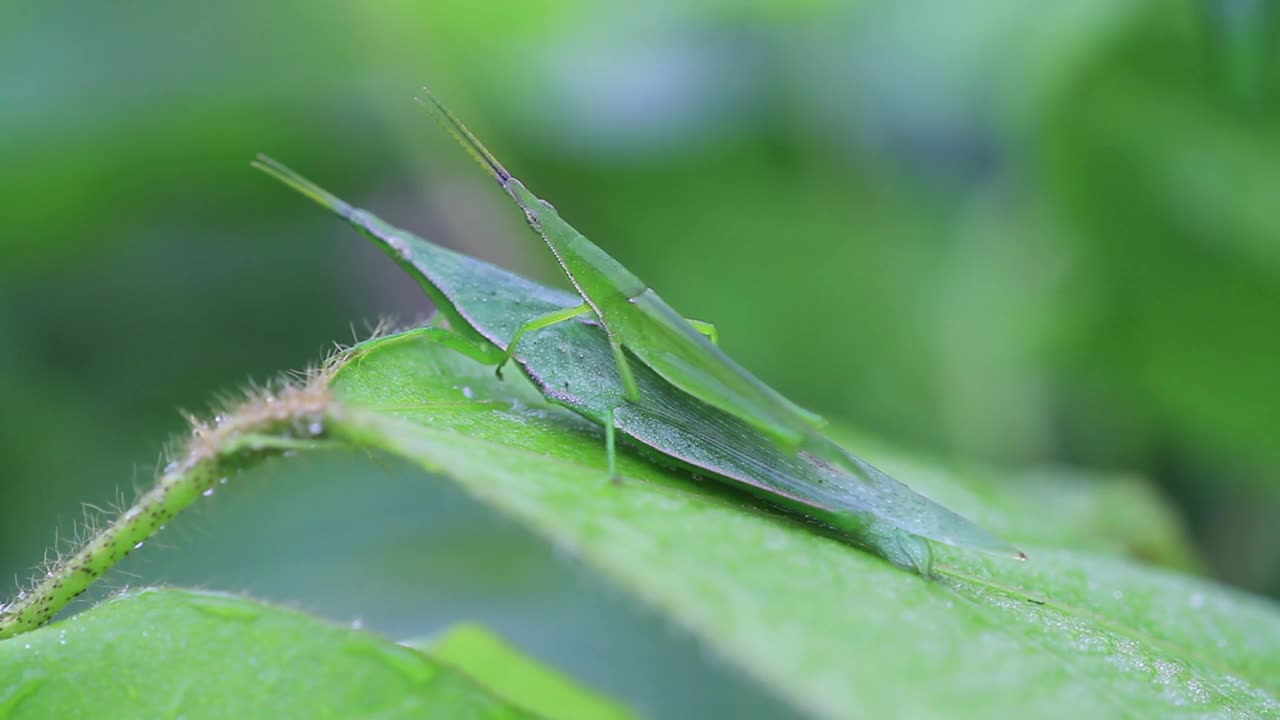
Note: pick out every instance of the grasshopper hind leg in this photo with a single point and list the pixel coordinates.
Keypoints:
(915, 550)
(900, 547)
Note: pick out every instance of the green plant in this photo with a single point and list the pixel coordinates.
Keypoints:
(1081, 629)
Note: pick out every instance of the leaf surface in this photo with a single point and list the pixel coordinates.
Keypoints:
(180, 653)
(1072, 632)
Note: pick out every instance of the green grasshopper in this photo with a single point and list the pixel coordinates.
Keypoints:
(573, 365)
(636, 319)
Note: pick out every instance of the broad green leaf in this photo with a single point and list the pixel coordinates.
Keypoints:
(1072, 632)
(483, 655)
(179, 653)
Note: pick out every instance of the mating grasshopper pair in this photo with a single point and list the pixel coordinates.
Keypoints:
(618, 355)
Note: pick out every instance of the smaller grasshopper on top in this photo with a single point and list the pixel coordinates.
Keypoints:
(635, 319)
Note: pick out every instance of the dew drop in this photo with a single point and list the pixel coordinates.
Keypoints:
(208, 492)
(467, 392)
(137, 545)
(222, 481)
(315, 428)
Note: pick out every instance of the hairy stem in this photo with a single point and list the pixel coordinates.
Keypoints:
(267, 424)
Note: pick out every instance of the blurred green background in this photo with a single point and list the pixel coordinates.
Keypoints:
(1010, 232)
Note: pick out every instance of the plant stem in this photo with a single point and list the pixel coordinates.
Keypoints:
(265, 425)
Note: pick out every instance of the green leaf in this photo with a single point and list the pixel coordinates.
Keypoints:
(483, 655)
(1073, 632)
(179, 653)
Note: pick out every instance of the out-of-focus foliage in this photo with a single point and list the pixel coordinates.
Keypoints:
(478, 652)
(1007, 231)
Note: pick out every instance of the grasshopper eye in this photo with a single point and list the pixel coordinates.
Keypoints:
(532, 216)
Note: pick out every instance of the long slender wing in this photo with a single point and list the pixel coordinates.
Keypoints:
(660, 337)
(824, 481)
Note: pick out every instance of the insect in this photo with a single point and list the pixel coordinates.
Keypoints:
(636, 319)
(572, 364)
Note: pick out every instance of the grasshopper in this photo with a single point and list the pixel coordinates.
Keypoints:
(574, 365)
(636, 319)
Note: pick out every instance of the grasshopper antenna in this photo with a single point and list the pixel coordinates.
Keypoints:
(463, 136)
(279, 171)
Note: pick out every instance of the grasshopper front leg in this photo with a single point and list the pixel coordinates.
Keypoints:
(542, 321)
(611, 445)
(482, 352)
(707, 329)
